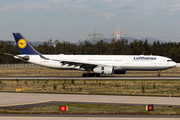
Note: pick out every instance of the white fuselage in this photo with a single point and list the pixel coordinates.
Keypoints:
(119, 62)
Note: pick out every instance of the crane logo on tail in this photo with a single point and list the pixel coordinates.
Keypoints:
(22, 43)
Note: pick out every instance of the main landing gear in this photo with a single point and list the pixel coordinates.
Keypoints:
(90, 75)
(158, 75)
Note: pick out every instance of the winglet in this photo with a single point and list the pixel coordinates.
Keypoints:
(24, 46)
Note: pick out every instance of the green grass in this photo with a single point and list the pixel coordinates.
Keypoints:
(107, 87)
(77, 108)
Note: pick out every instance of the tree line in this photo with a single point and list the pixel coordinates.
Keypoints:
(119, 47)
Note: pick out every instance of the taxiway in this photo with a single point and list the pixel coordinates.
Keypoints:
(89, 78)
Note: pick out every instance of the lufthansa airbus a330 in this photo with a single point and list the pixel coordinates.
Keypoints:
(99, 64)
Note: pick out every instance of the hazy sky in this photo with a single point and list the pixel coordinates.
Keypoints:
(73, 20)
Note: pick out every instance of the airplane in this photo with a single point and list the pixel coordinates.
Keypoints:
(99, 64)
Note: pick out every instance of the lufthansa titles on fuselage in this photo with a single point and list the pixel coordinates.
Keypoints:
(144, 58)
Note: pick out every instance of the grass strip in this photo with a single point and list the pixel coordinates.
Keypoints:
(79, 108)
(99, 87)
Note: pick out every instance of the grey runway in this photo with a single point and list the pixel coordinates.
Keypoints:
(89, 78)
(15, 99)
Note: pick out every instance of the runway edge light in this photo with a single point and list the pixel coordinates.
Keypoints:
(63, 108)
(149, 107)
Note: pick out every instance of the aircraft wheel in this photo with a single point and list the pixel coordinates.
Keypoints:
(158, 75)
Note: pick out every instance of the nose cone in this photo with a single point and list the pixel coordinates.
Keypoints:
(174, 64)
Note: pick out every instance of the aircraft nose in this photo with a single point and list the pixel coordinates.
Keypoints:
(174, 63)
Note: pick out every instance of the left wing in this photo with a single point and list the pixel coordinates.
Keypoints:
(75, 63)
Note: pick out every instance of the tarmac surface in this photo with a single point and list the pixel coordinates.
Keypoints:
(90, 78)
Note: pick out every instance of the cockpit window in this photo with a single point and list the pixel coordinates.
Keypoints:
(169, 60)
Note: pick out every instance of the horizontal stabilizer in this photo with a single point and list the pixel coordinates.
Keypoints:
(24, 58)
(8, 54)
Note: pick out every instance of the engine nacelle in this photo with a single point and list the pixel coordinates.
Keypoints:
(105, 70)
(120, 72)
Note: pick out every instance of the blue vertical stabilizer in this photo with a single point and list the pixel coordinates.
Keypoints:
(24, 46)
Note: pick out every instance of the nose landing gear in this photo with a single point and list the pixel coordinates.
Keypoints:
(158, 75)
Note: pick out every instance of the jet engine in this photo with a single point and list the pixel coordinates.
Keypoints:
(105, 70)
